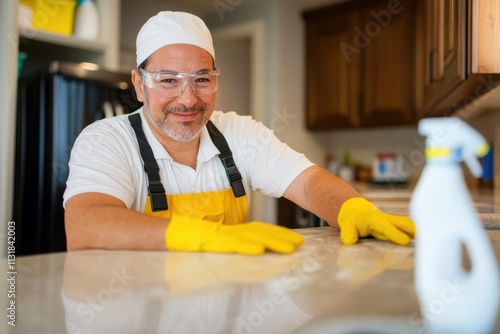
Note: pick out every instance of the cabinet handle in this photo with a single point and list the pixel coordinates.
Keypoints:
(430, 63)
(438, 66)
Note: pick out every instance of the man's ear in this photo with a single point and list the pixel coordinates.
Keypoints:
(137, 82)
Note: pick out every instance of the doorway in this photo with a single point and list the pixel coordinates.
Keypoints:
(241, 58)
(233, 59)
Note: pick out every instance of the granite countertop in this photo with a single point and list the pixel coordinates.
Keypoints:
(324, 287)
(394, 198)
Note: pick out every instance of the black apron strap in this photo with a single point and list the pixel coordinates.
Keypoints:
(155, 187)
(226, 156)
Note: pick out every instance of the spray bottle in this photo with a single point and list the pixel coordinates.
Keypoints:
(453, 299)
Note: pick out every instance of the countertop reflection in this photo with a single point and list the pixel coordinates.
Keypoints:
(98, 291)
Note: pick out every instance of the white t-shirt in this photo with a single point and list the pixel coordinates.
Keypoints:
(106, 159)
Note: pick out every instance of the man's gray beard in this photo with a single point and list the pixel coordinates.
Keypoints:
(184, 135)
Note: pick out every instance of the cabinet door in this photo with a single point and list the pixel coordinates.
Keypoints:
(386, 71)
(442, 49)
(484, 26)
(332, 72)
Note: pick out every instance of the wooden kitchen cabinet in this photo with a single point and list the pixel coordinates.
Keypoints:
(359, 65)
(441, 56)
(332, 79)
(386, 90)
(457, 54)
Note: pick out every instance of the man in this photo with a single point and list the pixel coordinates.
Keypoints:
(205, 161)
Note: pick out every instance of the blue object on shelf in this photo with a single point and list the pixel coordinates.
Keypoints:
(487, 162)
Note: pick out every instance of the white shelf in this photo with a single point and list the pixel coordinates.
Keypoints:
(62, 40)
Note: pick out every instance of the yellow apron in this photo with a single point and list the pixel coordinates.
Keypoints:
(216, 206)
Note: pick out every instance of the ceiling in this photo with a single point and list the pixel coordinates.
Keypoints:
(197, 7)
(136, 12)
(207, 7)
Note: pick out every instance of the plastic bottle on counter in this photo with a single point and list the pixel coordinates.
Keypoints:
(452, 299)
(346, 170)
(86, 20)
(331, 164)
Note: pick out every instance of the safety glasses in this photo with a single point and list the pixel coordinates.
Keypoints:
(173, 84)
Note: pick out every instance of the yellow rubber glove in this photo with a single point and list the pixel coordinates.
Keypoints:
(359, 218)
(253, 238)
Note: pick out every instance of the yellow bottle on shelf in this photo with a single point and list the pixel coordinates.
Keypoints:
(55, 16)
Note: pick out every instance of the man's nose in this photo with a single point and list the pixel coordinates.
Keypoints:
(188, 95)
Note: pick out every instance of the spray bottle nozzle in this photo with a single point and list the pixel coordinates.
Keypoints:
(454, 135)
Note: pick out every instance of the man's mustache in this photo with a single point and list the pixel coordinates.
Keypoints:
(183, 109)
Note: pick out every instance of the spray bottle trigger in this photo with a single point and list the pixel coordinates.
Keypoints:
(474, 166)
(473, 163)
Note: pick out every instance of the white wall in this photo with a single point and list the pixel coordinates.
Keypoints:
(290, 71)
(487, 123)
(8, 91)
(264, 12)
(233, 59)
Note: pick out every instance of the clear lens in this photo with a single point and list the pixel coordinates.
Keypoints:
(171, 84)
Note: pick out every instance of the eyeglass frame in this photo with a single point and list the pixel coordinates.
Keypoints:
(149, 81)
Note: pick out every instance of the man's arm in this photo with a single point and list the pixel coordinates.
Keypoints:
(335, 201)
(96, 220)
(320, 192)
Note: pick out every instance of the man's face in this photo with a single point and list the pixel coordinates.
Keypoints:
(182, 117)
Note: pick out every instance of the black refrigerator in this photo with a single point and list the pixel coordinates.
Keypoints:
(54, 104)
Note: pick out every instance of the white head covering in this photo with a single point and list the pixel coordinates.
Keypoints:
(167, 28)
